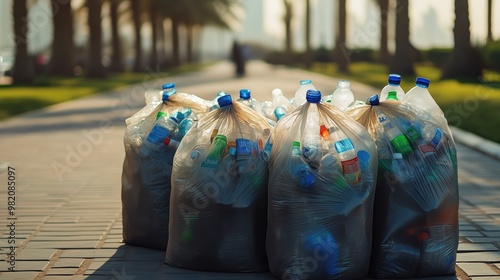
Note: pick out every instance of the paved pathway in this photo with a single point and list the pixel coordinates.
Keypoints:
(68, 158)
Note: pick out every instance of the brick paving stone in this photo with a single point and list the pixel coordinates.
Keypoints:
(483, 239)
(470, 233)
(24, 265)
(62, 271)
(70, 244)
(18, 275)
(486, 278)
(93, 253)
(464, 247)
(479, 257)
(477, 269)
(67, 262)
(35, 254)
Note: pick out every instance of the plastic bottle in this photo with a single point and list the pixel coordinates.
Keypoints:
(266, 153)
(246, 98)
(420, 97)
(300, 170)
(163, 128)
(215, 104)
(280, 100)
(215, 152)
(342, 97)
(400, 168)
(329, 166)
(168, 90)
(398, 140)
(347, 155)
(311, 138)
(279, 112)
(364, 162)
(171, 143)
(184, 127)
(300, 93)
(392, 95)
(393, 82)
(244, 151)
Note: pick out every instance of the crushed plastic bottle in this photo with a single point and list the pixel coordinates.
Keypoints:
(311, 139)
(163, 128)
(347, 155)
(168, 90)
(300, 170)
(400, 169)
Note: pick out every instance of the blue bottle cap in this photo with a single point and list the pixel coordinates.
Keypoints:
(305, 82)
(373, 100)
(245, 93)
(225, 100)
(422, 82)
(394, 79)
(313, 96)
(307, 180)
(168, 86)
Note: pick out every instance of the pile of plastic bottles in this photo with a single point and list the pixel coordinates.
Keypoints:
(219, 192)
(151, 140)
(295, 185)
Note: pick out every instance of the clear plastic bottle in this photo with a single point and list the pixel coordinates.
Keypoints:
(215, 104)
(279, 112)
(400, 168)
(164, 127)
(300, 93)
(300, 170)
(311, 138)
(279, 100)
(246, 98)
(398, 140)
(184, 127)
(342, 97)
(347, 155)
(393, 82)
(420, 97)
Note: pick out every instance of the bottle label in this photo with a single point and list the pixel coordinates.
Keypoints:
(158, 134)
(436, 140)
(352, 170)
(412, 133)
(426, 149)
(215, 153)
(245, 148)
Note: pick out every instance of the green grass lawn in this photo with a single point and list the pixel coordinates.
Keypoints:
(470, 105)
(15, 100)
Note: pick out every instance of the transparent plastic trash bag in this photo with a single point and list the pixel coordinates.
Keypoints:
(218, 213)
(416, 207)
(322, 170)
(149, 152)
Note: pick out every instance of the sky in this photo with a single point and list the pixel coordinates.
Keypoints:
(262, 20)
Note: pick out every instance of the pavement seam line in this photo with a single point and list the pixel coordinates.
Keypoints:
(84, 266)
(52, 261)
(102, 240)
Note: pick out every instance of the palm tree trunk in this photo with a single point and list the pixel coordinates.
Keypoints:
(308, 58)
(153, 13)
(402, 62)
(384, 56)
(288, 31)
(62, 50)
(23, 69)
(490, 11)
(95, 68)
(341, 53)
(116, 57)
(464, 61)
(176, 60)
(136, 14)
(189, 42)
(163, 48)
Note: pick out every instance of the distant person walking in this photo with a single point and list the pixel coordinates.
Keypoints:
(238, 58)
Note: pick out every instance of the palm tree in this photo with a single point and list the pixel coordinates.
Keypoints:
(384, 56)
(136, 16)
(154, 17)
(308, 57)
(490, 34)
(63, 48)
(341, 54)
(95, 68)
(404, 56)
(116, 56)
(288, 30)
(464, 61)
(23, 69)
